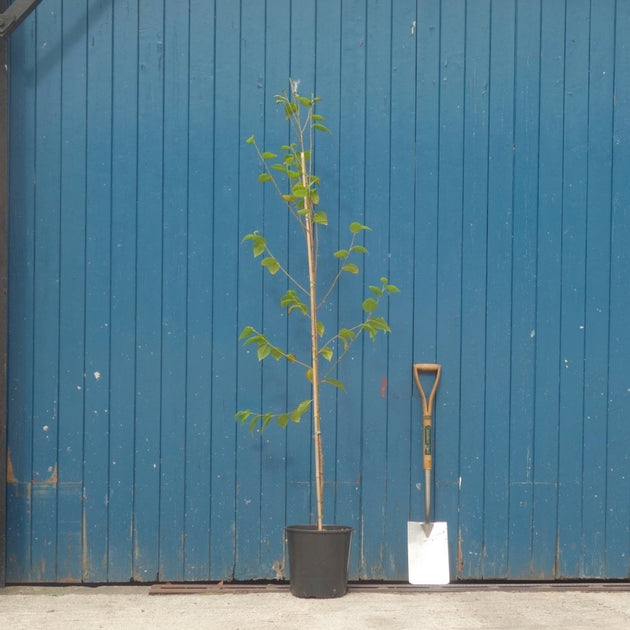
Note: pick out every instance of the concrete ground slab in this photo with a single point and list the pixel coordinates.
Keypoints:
(125, 607)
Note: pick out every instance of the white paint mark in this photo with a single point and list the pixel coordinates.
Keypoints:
(97, 375)
(532, 334)
(45, 427)
(413, 28)
(460, 482)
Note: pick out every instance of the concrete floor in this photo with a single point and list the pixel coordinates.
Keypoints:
(505, 608)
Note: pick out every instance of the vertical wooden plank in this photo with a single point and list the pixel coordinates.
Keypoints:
(399, 385)
(254, 288)
(224, 282)
(273, 483)
(573, 298)
(548, 287)
(425, 228)
(4, 287)
(617, 554)
(46, 295)
(280, 20)
(597, 316)
(300, 500)
(72, 296)
(97, 297)
(200, 297)
(474, 265)
(123, 290)
(377, 201)
(21, 296)
(174, 291)
(351, 204)
(522, 351)
(449, 265)
(149, 262)
(300, 472)
(498, 319)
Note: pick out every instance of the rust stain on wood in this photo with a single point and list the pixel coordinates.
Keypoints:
(10, 473)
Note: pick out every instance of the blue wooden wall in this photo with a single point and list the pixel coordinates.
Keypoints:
(486, 143)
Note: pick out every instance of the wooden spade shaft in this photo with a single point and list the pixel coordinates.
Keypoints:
(427, 429)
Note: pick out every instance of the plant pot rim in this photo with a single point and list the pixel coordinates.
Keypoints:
(312, 529)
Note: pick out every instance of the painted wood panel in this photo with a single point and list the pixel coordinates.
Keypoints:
(486, 144)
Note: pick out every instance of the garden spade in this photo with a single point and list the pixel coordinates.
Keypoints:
(427, 542)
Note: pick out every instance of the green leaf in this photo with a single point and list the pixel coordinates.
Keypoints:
(246, 332)
(320, 217)
(242, 416)
(289, 298)
(272, 265)
(351, 268)
(320, 127)
(309, 374)
(300, 307)
(305, 101)
(371, 331)
(259, 243)
(359, 249)
(279, 167)
(299, 411)
(264, 350)
(355, 227)
(380, 323)
(391, 288)
(259, 246)
(317, 117)
(254, 339)
(265, 177)
(335, 383)
(266, 419)
(327, 353)
(299, 190)
(341, 253)
(283, 420)
(314, 197)
(250, 140)
(346, 335)
(376, 290)
(268, 155)
(320, 328)
(290, 109)
(370, 305)
(291, 301)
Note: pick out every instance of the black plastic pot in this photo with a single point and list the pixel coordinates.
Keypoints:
(318, 560)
